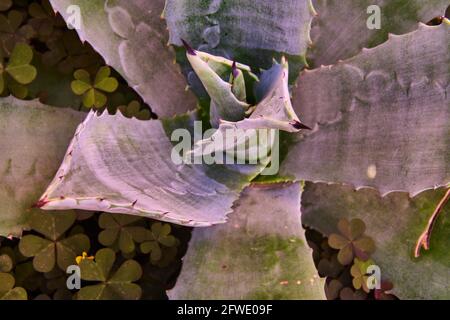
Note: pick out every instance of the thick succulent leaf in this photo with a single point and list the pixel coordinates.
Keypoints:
(383, 116)
(394, 222)
(229, 107)
(274, 111)
(131, 37)
(121, 165)
(247, 28)
(34, 138)
(336, 37)
(261, 253)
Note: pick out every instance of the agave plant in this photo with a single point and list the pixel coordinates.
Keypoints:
(369, 109)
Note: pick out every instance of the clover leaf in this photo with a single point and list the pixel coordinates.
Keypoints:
(330, 267)
(12, 32)
(359, 274)
(93, 95)
(351, 242)
(381, 293)
(19, 64)
(121, 230)
(332, 289)
(6, 262)
(350, 294)
(44, 21)
(111, 286)
(17, 72)
(133, 109)
(27, 277)
(7, 289)
(55, 284)
(160, 240)
(68, 53)
(53, 248)
(5, 5)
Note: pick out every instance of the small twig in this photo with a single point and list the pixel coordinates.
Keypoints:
(424, 239)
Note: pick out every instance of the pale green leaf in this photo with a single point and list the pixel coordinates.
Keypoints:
(341, 30)
(132, 39)
(121, 165)
(261, 253)
(382, 116)
(250, 29)
(43, 134)
(395, 223)
(274, 111)
(229, 107)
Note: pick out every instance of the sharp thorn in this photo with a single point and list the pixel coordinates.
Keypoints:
(234, 70)
(188, 48)
(40, 203)
(298, 125)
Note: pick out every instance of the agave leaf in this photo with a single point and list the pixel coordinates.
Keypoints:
(121, 165)
(132, 39)
(274, 111)
(228, 106)
(394, 222)
(336, 37)
(228, 98)
(383, 116)
(34, 138)
(261, 253)
(234, 26)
